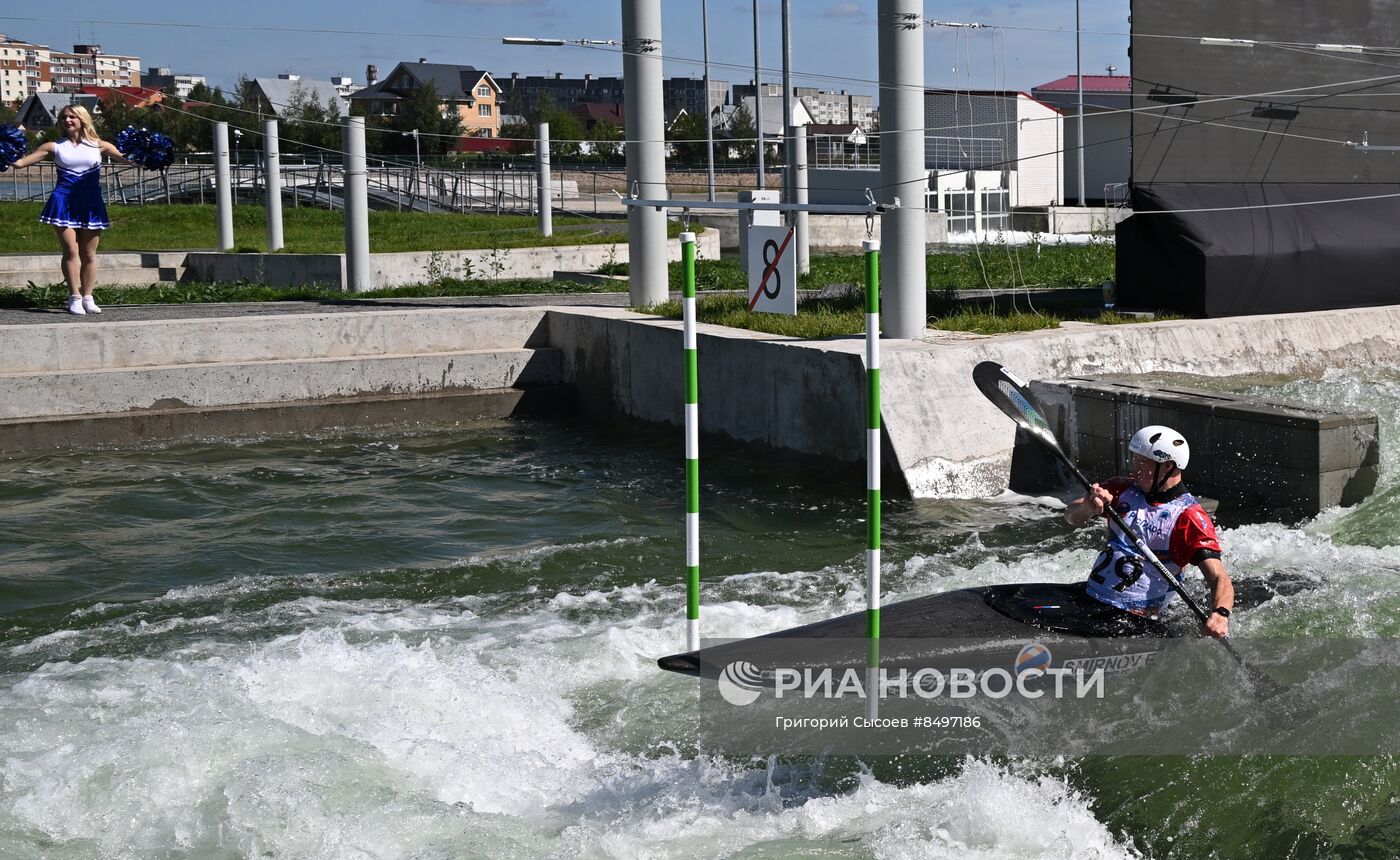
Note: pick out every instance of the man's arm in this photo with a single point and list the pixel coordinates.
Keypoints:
(1222, 595)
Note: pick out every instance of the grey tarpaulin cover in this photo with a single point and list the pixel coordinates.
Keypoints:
(1283, 259)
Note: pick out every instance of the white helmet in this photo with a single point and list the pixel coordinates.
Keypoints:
(1161, 444)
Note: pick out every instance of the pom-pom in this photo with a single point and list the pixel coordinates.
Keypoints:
(149, 149)
(13, 146)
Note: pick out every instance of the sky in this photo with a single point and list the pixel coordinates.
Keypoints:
(834, 41)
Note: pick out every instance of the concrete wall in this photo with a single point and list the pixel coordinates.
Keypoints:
(809, 396)
(1255, 455)
(416, 267)
(627, 365)
(1090, 219)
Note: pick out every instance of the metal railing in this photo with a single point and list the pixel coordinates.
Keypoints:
(1115, 195)
(406, 188)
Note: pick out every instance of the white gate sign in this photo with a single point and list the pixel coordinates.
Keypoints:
(772, 270)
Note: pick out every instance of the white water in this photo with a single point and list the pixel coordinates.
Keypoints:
(452, 728)
(391, 729)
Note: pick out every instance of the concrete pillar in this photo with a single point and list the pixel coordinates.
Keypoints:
(646, 152)
(272, 165)
(542, 180)
(799, 195)
(352, 136)
(902, 172)
(223, 189)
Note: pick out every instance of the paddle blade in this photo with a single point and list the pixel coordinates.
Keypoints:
(998, 385)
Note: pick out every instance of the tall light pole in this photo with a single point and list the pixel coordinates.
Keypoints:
(417, 153)
(709, 107)
(757, 94)
(787, 107)
(1079, 79)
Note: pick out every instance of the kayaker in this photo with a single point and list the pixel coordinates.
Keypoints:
(1156, 505)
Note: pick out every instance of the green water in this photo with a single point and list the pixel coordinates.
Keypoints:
(442, 644)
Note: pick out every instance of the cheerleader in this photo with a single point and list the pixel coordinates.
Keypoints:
(75, 209)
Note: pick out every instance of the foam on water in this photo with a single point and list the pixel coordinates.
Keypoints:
(398, 729)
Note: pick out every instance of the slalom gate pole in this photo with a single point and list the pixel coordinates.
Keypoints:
(692, 446)
(871, 248)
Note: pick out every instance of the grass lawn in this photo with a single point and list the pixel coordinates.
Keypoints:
(305, 230)
(842, 317)
(986, 266)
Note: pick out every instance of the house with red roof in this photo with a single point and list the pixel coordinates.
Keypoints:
(1107, 134)
(136, 97)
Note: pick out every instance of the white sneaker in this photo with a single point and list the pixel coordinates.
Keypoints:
(75, 305)
(91, 306)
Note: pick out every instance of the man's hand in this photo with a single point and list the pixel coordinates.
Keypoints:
(1081, 511)
(1217, 625)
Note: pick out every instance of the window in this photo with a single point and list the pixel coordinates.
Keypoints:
(483, 90)
(483, 110)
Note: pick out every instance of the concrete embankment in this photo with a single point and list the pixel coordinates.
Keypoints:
(328, 270)
(944, 439)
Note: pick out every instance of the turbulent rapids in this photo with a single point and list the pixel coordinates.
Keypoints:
(444, 644)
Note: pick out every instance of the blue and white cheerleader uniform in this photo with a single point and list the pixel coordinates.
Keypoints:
(77, 196)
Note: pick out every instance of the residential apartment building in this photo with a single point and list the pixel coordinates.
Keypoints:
(746, 91)
(162, 78)
(471, 92)
(824, 106)
(522, 94)
(87, 66)
(838, 108)
(24, 70)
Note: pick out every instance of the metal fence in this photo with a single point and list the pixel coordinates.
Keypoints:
(415, 188)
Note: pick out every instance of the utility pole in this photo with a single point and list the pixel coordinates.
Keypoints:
(1079, 78)
(758, 94)
(709, 106)
(788, 179)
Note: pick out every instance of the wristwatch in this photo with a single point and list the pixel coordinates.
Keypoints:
(1222, 611)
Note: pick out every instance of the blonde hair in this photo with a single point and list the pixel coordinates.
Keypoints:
(85, 118)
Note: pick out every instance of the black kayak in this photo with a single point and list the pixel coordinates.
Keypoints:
(977, 625)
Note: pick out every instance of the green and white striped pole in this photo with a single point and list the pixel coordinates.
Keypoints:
(692, 446)
(871, 248)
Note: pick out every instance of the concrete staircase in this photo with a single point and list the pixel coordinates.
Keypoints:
(114, 269)
(64, 384)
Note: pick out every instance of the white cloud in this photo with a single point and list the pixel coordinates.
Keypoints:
(844, 10)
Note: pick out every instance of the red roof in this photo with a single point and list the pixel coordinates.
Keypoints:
(133, 96)
(1092, 84)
